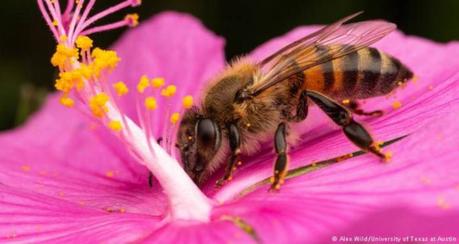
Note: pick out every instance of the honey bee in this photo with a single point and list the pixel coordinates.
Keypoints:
(253, 102)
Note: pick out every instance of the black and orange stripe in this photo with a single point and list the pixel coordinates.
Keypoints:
(365, 73)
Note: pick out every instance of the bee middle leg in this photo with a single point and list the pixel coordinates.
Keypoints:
(354, 106)
(235, 146)
(354, 131)
(280, 167)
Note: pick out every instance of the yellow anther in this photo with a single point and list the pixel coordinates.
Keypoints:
(169, 91)
(66, 51)
(85, 71)
(132, 20)
(174, 118)
(103, 60)
(396, 104)
(157, 82)
(143, 84)
(58, 60)
(150, 103)
(346, 101)
(98, 106)
(115, 125)
(84, 42)
(187, 102)
(68, 80)
(120, 88)
(55, 22)
(67, 101)
(63, 38)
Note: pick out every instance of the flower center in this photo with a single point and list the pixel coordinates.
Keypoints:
(83, 83)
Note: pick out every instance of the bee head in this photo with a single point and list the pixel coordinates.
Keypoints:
(199, 139)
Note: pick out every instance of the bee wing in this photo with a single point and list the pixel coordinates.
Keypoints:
(331, 42)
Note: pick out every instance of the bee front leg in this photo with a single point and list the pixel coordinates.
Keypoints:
(233, 161)
(280, 167)
(354, 131)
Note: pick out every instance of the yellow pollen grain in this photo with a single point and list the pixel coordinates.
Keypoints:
(26, 168)
(425, 180)
(110, 174)
(157, 82)
(55, 22)
(346, 101)
(187, 102)
(175, 118)
(115, 125)
(67, 101)
(396, 104)
(150, 103)
(103, 60)
(442, 203)
(120, 88)
(143, 84)
(132, 20)
(63, 38)
(169, 91)
(84, 42)
(387, 157)
(97, 104)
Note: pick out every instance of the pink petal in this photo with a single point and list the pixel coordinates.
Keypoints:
(170, 45)
(422, 177)
(64, 178)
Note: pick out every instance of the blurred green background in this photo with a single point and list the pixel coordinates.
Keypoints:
(26, 45)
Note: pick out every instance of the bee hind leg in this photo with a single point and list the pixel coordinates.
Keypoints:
(354, 106)
(354, 131)
(280, 167)
(233, 161)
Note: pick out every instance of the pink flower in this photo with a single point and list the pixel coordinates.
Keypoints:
(64, 177)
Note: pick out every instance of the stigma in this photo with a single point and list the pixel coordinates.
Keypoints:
(84, 86)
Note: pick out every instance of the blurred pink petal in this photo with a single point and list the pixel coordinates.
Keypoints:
(174, 46)
(61, 181)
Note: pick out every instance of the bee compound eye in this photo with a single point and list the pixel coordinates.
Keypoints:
(206, 133)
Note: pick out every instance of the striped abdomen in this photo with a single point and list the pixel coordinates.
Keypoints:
(362, 74)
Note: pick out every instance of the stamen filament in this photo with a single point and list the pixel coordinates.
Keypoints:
(75, 19)
(104, 13)
(84, 86)
(106, 27)
(69, 8)
(48, 20)
(84, 16)
(182, 192)
(56, 17)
